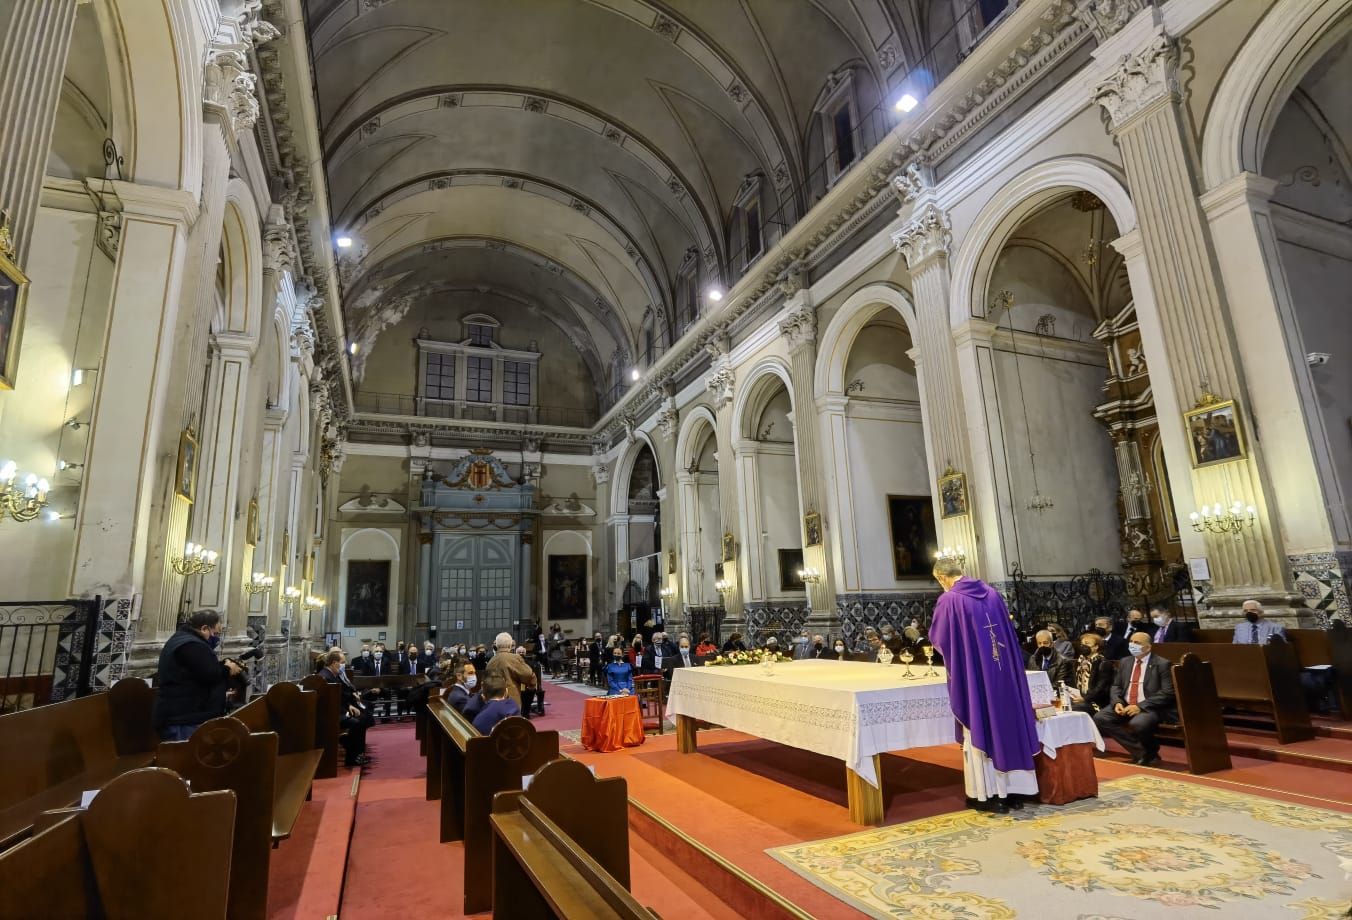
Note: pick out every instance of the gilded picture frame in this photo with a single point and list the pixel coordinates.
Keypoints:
(185, 471)
(13, 300)
(812, 529)
(251, 523)
(1215, 432)
(729, 548)
(953, 499)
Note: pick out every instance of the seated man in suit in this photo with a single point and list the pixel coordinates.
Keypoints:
(356, 718)
(1058, 668)
(362, 664)
(1142, 696)
(463, 693)
(1256, 630)
(1166, 628)
(497, 704)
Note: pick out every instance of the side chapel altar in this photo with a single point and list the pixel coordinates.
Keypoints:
(852, 711)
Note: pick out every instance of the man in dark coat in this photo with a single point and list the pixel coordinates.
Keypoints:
(356, 718)
(1142, 696)
(191, 680)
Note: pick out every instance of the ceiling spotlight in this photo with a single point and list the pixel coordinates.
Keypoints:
(907, 102)
(344, 242)
(634, 374)
(352, 348)
(715, 295)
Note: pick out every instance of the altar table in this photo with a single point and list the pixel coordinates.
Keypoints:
(611, 723)
(850, 710)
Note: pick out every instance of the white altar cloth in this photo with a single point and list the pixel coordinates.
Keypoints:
(849, 710)
(1067, 728)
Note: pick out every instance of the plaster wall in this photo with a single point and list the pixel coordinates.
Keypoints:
(777, 481)
(886, 456)
(372, 543)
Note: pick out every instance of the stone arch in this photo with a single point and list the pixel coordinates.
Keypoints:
(690, 439)
(242, 252)
(1010, 206)
(756, 392)
(859, 309)
(349, 537)
(1261, 77)
(624, 470)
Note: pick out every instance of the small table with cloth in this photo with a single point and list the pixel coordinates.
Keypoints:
(850, 710)
(1065, 765)
(610, 723)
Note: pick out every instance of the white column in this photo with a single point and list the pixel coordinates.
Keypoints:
(267, 556)
(1143, 99)
(124, 472)
(721, 383)
(750, 576)
(843, 545)
(34, 44)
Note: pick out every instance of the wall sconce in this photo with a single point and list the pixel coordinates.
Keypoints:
(312, 603)
(666, 593)
(196, 560)
(951, 554)
(810, 576)
(723, 586)
(80, 374)
(23, 502)
(258, 584)
(1217, 520)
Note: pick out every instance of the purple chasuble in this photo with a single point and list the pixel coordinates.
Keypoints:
(987, 687)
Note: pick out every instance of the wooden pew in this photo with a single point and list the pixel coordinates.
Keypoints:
(1262, 677)
(54, 753)
(561, 848)
(224, 755)
(290, 712)
(1199, 716)
(1328, 647)
(328, 723)
(384, 684)
(145, 848)
(472, 769)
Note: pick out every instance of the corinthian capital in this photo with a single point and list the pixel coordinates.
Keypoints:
(1141, 81)
(721, 383)
(799, 328)
(928, 235)
(279, 254)
(231, 88)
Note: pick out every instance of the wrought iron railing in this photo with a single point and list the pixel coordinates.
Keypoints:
(32, 637)
(1075, 601)
(705, 618)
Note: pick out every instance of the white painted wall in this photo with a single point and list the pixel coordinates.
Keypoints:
(372, 543)
(885, 456)
(777, 482)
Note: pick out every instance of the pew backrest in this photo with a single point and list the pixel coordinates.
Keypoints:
(328, 722)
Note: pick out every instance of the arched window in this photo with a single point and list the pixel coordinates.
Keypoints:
(687, 291)
(747, 231)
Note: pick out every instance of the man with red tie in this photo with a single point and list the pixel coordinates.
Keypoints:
(1142, 696)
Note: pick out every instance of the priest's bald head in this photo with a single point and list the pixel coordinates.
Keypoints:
(947, 570)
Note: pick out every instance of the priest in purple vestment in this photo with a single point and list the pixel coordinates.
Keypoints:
(987, 689)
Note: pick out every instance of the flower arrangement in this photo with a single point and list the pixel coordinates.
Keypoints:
(755, 656)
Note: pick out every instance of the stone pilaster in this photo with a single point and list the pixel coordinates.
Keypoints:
(1195, 344)
(722, 383)
(34, 44)
(925, 242)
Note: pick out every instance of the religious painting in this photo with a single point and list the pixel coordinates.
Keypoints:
(185, 473)
(790, 570)
(671, 562)
(729, 548)
(1214, 432)
(914, 540)
(953, 494)
(568, 587)
(812, 529)
(368, 592)
(251, 523)
(13, 296)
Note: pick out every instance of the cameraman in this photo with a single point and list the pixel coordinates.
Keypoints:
(192, 681)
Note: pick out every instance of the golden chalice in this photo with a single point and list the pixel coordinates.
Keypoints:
(906, 659)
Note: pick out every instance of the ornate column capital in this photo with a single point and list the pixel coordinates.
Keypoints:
(911, 180)
(799, 328)
(722, 383)
(1142, 80)
(230, 88)
(793, 278)
(927, 236)
(279, 252)
(1105, 18)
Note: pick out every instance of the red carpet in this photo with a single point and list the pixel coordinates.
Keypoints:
(306, 872)
(563, 709)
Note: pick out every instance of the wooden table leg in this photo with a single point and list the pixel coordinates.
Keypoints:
(685, 734)
(866, 799)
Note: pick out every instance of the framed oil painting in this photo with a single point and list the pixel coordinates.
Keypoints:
(953, 494)
(251, 524)
(1215, 434)
(914, 539)
(368, 592)
(13, 296)
(568, 587)
(729, 548)
(812, 529)
(185, 473)
(790, 565)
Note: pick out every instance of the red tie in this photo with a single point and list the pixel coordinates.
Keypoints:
(1134, 693)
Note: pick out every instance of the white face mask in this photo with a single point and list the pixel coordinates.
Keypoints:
(1158, 621)
(840, 648)
(378, 654)
(471, 681)
(684, 647)
(1135, 648)
(365, 653)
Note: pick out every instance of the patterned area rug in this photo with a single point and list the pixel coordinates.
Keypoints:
(1146, 848)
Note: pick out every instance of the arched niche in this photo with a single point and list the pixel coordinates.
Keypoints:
(369, 545)
(698, 509)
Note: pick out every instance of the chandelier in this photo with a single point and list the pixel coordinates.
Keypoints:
(196, 560)
(258, 583)
(1217, 520)
(951, 554)
(312, 603)
(22, 502)
(809, 576)
(723, 586)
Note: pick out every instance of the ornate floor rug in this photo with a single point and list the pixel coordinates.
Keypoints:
(1147, 848)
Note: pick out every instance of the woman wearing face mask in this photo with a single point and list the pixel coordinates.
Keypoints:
(1093, 675)
(835, 651)
(192, 681)
(619, 675)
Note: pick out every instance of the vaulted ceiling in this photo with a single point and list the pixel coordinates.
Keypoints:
(572, 153)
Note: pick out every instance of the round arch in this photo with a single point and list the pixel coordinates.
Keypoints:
(1261, 77)
(756, 391)
(242, 252)
(624, 470)
(687, 441)
(859, 309)
(349, 537)
(1015, 201)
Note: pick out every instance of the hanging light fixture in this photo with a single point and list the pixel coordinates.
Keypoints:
(25, 501)
(1037, 501)
(1088, 203)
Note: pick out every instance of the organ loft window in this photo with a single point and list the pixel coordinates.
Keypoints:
(439, 376)
(516, 383)
(479, 379)
(753, 230)
(480, 335)
(837, 118)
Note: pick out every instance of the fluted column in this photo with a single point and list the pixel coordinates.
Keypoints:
(799, 329)
(1143, 99)
(925, 242)
(34, 44)
(721, 383)
(267, 556)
